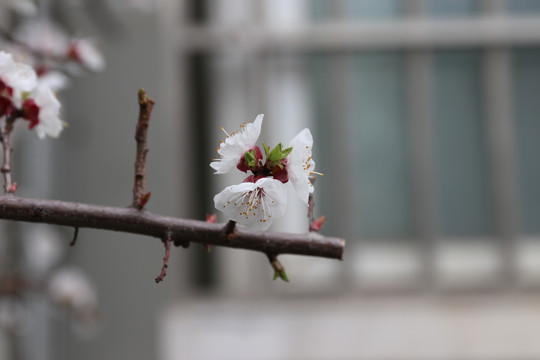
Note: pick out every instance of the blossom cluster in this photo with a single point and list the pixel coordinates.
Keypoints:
(262, 197)
(23, 96)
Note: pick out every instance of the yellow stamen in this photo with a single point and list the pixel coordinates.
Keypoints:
(315, 172)
(226, 133)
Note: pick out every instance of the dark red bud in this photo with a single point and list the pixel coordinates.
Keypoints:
(242, 166)
(73, 52)
(31, 112)
(258, 154)
(41, 70)
(250, 178)
(281, 174)
(6, 106)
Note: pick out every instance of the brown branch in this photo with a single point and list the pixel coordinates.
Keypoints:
(167, 245)
(145, 223)
(139, 187)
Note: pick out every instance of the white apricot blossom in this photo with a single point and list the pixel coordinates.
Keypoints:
(236, 144)
(253, 204)
(300, 165)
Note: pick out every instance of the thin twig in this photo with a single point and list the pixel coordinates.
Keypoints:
(167, 245)
(145, 223)
(6, 166)
(314, 224)
(75, 235)
(139, 187)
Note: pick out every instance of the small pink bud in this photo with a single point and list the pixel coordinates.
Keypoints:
(144, 199)
(318, 223)
(12, 188)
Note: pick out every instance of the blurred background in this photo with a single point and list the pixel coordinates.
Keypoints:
(426, 121)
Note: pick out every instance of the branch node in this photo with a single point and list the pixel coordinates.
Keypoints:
(182, 243)
(230, 229)
(75, 235)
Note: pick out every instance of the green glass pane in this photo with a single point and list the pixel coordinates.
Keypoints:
(463, 178)
(526, 71)
(378, 135)
(523, 6)
(453, 7)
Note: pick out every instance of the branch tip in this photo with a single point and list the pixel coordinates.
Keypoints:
(167, 245)
(75, 235)
(279, 269)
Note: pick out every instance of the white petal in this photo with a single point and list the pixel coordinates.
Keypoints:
(24, 78)
(54, 80)
(91, 57)
(234, 146)
(301, 164)
(19, 76)
(49, 108)
(254, 205)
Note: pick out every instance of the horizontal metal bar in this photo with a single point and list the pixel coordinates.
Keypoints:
(421, 32)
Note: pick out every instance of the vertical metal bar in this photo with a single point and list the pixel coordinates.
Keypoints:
(498, 109)
(419, 101)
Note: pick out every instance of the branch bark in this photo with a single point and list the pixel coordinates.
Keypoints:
(131, 220)
(6, 147)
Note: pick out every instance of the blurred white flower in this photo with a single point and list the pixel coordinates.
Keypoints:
(236, 144)
(42, 249)
(20, 77)
(43, 37)
(15, 78)
(71, 288)
(54, 80)
(85, 52)
(42, 109)
(24, 7)
(254, 205)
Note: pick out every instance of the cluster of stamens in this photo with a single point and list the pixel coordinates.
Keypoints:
(251, 202)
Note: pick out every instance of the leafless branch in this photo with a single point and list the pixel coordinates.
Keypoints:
(136, 220)
(182, 230)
